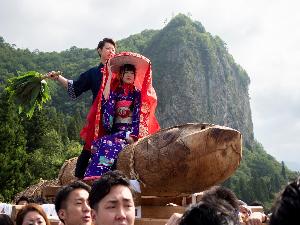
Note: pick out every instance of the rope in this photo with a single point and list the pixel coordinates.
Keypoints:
(132, 172)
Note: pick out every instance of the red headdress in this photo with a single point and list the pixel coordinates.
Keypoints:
(143, 81)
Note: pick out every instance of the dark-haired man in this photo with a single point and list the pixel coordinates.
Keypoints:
(71, 204)
(111, 200)
(89, 80)
(218, 206)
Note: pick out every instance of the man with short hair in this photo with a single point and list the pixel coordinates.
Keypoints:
(111, 200)
(71, 204)
(218, 206)
(89, 80)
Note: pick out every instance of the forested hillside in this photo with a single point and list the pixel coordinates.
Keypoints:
(196, 80)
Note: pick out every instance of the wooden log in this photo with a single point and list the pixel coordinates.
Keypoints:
(182, 159)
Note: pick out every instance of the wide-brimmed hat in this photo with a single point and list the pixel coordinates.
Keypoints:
(140, 62)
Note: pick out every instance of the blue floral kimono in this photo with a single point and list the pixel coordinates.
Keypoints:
(120, 118)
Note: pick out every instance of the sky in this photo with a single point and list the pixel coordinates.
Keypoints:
(262, 35)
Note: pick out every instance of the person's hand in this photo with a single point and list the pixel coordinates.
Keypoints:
(174, 219)
(107, 85)
(109, 68)
(53, 75)
(244, 212)
(255, 218)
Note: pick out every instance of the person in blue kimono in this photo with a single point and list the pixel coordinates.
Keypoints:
(120, 119)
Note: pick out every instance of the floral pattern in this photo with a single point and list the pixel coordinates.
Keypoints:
(107, 148)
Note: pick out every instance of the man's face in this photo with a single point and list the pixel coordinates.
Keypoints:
(107, 51)
(116, 208)
(77, 210)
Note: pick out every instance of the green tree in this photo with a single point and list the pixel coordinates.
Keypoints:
(13, 156)
(283, 173)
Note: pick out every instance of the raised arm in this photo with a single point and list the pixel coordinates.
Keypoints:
(57, 75)
(106, 91)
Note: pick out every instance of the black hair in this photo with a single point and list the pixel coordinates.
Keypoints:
(102, 187)
(127, 67)
(218, 206)
(23, 198)
(63, 194)
(287, 207)
(222, 193)
(256, 203)
(5, 220)
(205, 213)
(199, 214)
(105, 40)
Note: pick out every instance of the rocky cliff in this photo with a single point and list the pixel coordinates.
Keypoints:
(196, 79)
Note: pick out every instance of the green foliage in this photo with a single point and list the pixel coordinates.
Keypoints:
(29, 91)
(137, 42)
(13, 174)
(259, 177)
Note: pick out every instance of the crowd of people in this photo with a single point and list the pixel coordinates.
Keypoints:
(110, 201)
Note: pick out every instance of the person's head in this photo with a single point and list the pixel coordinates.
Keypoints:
(38, 200)
(23, 200)
(218, 206)
(287, 207)
(71, 204)
(106, 49)
(256, 203)
(222, 194)
(201, 213)
(32, 214)
(111, 200)
(5, 220)
(127, 73)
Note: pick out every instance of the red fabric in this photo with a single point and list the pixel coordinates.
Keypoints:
(93, 121)
(127, 88)
(143, 81)
(123, 103)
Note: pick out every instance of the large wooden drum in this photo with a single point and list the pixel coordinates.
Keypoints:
(182, 159)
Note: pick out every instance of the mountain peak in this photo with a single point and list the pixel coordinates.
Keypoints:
(182, 20)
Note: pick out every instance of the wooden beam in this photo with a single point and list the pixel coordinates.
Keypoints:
(161, 212)
(150, 221)
(160, 201)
